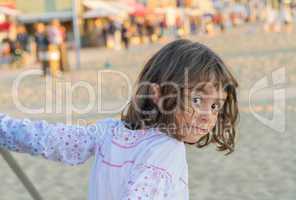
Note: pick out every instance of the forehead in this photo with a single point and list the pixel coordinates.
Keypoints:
(210, 90)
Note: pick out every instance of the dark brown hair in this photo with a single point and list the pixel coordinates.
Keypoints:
(170, 65)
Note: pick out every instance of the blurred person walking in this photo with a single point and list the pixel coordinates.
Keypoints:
(117, 35)
(57, 36)
(149, 30)
(125, 35)
(42, 44)
(272, 23)
(9, 54)
(22, 38)
(286, 15)
(105, 34)
(140, 29)
(23, 42)
(111, 29)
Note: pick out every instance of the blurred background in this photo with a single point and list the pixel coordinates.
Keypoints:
(72, 40)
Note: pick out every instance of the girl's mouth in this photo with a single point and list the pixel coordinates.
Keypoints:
(196, 129)
(203, 130)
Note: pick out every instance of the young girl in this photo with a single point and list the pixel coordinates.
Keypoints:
(185, 95)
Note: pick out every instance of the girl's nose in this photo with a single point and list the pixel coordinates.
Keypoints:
(204, 118)
(204, 114)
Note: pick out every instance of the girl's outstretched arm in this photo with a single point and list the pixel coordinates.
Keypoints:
(70, 144)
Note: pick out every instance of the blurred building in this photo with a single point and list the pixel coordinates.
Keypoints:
(8, 15)
(159, 3)
(44, 10)
(176, 3)
(41, 6)
(7, 2)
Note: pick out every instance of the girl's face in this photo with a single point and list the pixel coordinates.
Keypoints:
(200, 113)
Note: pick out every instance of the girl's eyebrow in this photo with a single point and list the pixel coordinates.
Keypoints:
(206, 94)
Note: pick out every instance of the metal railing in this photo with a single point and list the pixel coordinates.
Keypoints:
(12, 163)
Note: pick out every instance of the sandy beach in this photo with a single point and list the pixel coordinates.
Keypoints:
(263, 166)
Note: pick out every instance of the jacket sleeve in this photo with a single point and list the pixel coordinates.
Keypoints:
(148, 182)
(156, 175)
(70, 144)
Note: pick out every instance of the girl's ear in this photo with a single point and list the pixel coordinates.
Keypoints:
(155, 93)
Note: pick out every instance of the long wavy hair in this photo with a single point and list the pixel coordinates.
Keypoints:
(169, 68)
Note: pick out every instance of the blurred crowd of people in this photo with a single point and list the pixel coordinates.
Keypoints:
(276, 16)
(46, 44)
(116, 34)
(280, 15)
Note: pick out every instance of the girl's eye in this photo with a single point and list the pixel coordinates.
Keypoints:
(196, 101)
(216, 107)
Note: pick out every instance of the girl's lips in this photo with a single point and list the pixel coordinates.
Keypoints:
(200, 129)
(203, 130)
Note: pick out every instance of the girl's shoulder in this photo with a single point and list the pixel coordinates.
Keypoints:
(150, 140)
(127, 138)
(149, 147)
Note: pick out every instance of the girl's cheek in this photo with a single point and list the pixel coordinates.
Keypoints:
(214, 121)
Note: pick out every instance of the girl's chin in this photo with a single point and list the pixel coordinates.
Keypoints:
(194, 135)
(193, 139)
